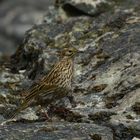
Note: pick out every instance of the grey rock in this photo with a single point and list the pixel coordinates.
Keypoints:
(83, 7)
(17, 17)
(106, 81)
(55, 131)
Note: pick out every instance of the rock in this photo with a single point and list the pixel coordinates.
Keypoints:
(17, 17)
(135, 138)
(83, 7)
(122, 132)
(102, 116)
(55, 131)
(106, 81)
(136, 108)
(135, 128)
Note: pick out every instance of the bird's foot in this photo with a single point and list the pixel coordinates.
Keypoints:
(47, 117)
(45, 113)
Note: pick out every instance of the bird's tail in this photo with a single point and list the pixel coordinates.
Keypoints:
(12, 114)
(23, 105)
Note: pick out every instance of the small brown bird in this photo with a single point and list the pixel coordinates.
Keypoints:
(55, 85)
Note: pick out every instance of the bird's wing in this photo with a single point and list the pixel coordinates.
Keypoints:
(40, 89)
(32, 93)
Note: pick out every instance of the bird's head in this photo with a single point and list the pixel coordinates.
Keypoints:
(68, 52)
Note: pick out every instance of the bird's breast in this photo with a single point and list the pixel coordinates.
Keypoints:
(65, 74)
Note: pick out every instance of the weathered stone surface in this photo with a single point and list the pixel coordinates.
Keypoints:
(83, 7)
(17, 17)
(107, 75)
(54, 131)
(135, 138)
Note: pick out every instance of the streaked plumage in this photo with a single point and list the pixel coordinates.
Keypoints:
(55, 85)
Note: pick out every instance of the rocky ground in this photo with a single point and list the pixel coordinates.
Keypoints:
(17, 17)
(107, 76)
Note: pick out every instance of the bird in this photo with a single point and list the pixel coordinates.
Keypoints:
(54, 85)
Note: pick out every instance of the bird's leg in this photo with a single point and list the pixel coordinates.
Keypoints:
(45, 112)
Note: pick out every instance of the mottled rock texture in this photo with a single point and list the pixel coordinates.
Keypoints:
(55, 131)
(17, 17)
(107, 75)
